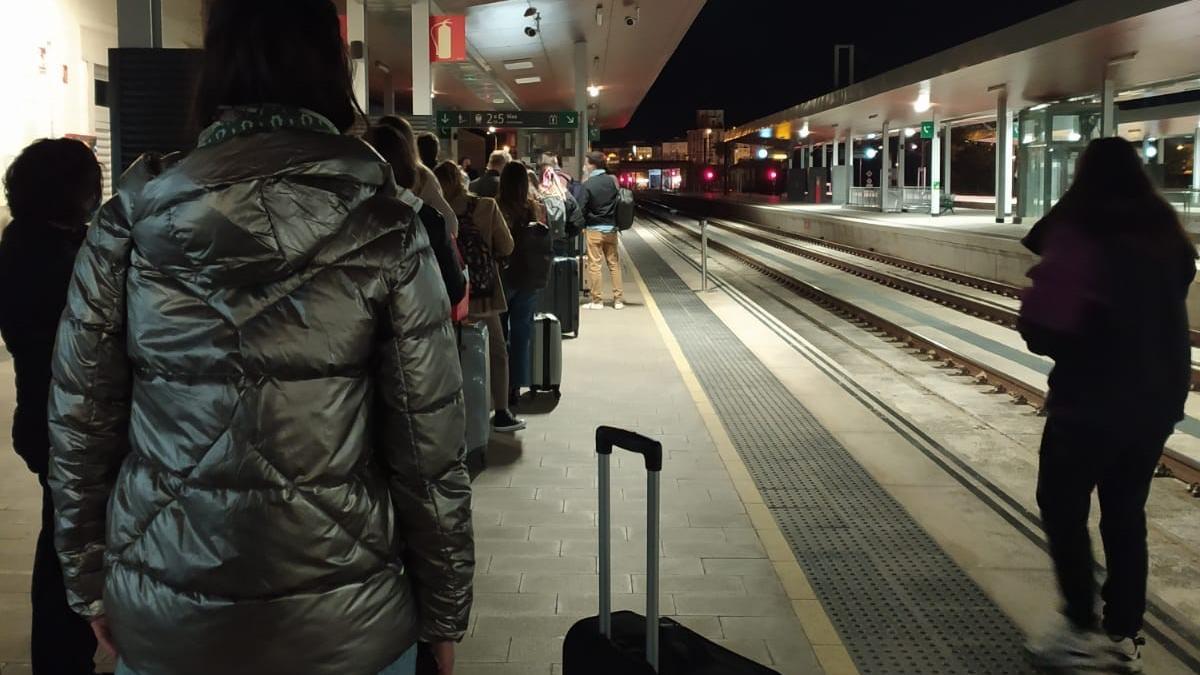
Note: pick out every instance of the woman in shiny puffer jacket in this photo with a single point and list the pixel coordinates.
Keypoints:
(257, 379)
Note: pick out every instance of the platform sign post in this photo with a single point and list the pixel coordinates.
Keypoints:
(704, 254)
(935, 166)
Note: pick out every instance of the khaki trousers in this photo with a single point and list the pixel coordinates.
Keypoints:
(603, 247)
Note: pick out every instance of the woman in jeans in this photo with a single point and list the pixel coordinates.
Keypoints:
(479, 219)
(1108, 305)
(526, 273)
(256, 412)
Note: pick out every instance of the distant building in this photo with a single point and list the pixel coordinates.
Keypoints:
(710, 119)
(704, 145)
(676, 150)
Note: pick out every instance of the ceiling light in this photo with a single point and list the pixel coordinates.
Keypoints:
(871, 137)
(1040, 106)
(1151, 151)
(491, 130)
(532, 79)
(762, 153)
(518, 65)
(498, 100)
(870, 152)
(531, 11)
(593, 91)
(913, 146)
(804, 131)
(922, 103)
(910, 132)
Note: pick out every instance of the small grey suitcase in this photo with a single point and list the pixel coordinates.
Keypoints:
(476, 370)
(546, 352)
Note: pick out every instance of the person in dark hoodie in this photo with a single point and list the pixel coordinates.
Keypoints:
(1108, 305)
(52, 188)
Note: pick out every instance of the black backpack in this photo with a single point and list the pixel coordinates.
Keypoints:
(481, 267)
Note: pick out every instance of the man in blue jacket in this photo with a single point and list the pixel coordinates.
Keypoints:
(599, 206)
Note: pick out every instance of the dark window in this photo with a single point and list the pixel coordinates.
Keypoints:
(102, 93)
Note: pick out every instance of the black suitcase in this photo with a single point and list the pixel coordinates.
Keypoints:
(560, 297)
(608, 644)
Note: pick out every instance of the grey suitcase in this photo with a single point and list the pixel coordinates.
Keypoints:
(546, 355)
(476, 370)
(560, 297)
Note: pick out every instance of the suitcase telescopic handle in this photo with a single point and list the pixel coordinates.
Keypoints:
(651, 451)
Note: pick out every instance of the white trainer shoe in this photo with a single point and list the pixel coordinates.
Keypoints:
(618, 305)
(594, 305)
(1128, 652)
(1069, 647)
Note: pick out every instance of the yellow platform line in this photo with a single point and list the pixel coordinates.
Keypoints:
(819, 630)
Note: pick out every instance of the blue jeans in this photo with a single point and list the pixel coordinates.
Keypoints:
(405, 665)
(518, 323)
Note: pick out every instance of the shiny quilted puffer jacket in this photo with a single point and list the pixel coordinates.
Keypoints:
(257, 378)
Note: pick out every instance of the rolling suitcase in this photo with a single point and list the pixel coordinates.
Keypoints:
(545, 367)
(621, 642)
(476, 371)
(561, 296)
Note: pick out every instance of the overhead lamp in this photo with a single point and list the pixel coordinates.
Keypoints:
(519, 65)
(491, 130)
(922, 103)
(913, 146)
(762, 153)
(533, 79)
(909, 132)
(1151, 151)
(764, 132)
(870, 152)
(1040, 106)
(498, 100)
(593, 90)
(872, 136)
(804, 130)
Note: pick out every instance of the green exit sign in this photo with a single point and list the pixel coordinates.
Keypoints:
(926, 130)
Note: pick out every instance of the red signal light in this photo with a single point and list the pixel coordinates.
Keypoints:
(772, 174)
(709, 174)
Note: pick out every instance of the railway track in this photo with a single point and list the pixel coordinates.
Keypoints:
(1173, 463)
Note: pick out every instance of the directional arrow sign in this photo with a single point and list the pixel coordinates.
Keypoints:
(524, 119)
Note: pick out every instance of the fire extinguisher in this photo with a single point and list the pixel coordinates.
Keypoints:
(443, 40)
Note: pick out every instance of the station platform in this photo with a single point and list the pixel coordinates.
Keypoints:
(827, 506)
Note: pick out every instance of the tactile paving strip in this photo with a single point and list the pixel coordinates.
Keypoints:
(899, 603)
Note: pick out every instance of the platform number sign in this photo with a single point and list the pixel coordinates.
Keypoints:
(527, 119)
(927, 130)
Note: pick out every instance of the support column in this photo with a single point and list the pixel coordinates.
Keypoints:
(885, 169)
(836, 159)
(810, 155)
(1004, 157)
(1108, 123)
(901, 170)
(935, 168)
(422, 74)
(139, 23)
(581, 106)
(1195, 161)
(947, 132)
(356, 31)
(850, 158)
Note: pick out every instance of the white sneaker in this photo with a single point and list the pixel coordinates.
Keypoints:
(1128, 652)
(618, 305)
(1069, 647)
(594, 305)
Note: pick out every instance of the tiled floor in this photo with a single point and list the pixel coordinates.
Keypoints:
(535, 511)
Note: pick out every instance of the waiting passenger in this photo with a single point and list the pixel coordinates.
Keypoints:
(52, 188)
(488, 185)
(1108, 305)
(527, 272)
(468, 168)
(425, 185)
(392, 145)
(484, 235)
(257, 377)
(599, 206)
(428, 148)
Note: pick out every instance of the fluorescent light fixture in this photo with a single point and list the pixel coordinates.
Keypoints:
(870, 152)
(1122, 58)
(871, 137)
(1040, 106)
(804, 130)
(593, 90)
(922, 103)
(519, 65)
(533, 79)
(909, 132)
(764, 132)
(498, 100)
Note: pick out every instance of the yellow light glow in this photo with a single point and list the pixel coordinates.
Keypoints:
(783, 130)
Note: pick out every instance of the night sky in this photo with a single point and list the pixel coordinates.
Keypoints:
(756, 57)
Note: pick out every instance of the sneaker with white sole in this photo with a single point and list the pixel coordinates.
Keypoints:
(1069, 647)
(504, 422)
(594, 305)
(1127, 651)
(618, 305)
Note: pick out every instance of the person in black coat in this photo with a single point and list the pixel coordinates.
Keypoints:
(488, 185)
(52, 189)
(1108, 304)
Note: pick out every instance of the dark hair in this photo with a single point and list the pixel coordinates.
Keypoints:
(428, 148)
(464, 160)
(396, 150)
(1112, 194)
(597, 159)
(449, 178)
(287, 52)
(54, 180)
(400, 124)
(514, 187)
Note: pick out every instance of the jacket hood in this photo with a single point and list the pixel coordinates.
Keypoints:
(254, 209)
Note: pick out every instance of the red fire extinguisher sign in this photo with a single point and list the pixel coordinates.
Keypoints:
(447, 38)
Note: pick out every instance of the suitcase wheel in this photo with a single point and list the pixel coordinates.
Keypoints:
(557, 392)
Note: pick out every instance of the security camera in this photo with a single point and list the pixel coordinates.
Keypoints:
(631, 21)
(531, 31)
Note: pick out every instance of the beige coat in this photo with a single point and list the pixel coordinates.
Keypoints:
(495, 234)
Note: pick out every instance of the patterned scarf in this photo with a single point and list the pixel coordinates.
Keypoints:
(244, 120)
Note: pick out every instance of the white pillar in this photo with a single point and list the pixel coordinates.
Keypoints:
(1004, 157)
(836, 160)
(810, 154)
(947, 188)
(356, 31)
(850, 156)
(935, 168)
(139, 23)
(581, 106)
(1108, 123)
(1196, 160)
(885, 169)
(902, 153)
(422, 76)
